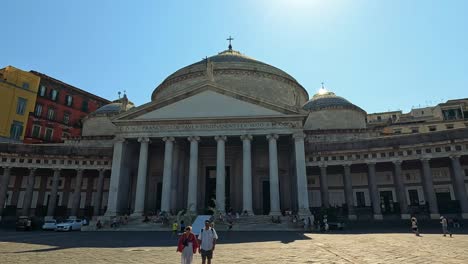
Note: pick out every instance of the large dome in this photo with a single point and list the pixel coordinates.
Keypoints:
(235, 72)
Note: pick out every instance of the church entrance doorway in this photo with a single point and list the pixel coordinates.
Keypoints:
(210, 189)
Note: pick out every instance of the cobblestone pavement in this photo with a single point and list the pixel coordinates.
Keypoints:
(239, 247)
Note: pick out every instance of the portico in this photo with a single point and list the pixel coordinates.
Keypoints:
(236, 151)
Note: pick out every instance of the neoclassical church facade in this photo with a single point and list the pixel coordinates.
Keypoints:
(234, 133)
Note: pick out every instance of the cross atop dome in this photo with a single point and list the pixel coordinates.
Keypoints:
(230, 39)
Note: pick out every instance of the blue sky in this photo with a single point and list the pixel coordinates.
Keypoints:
(380, 55)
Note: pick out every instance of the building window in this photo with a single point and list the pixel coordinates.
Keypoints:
(51, 114)
(36, 131)
(42, 90)
(449, 126)
(360, 199)
(26, 85)
(379, 118)
(84, 106)
(54, 95)
(69, 100)
(415, 130)
(397, 131)
(66, 118)
(16, 130)
(21, 106)
(432, 128)
(38, 110)
(48, 134)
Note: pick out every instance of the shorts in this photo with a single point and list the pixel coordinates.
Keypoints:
(415, 229)
(206, 254)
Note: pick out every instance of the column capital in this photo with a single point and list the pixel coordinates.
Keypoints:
(144, 140)
(397, 162)
(425, 159)
(193, 138)
(32, 169)
(79, 170)
(57, 169)
(168, 139)
(298, 136)
(218, 138)
(347, 165)
(454, 157)
(323, 165)
(272, 136)
(371, 162)
(246, 137)
(119, 139)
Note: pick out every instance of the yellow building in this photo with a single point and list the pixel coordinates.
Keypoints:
(18, 91)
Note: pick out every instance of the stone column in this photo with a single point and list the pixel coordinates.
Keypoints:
(220, 174)
(99, 187)
(428, 185)
(374, 192)
(167, 175)
(301, 176)
(193, 174)
(4, 188)
(324, 195)
(349, 196)
(459, 185)
(247, 174)
(141, 179)
(116, 176)
(274, 180)
(29, 192)
(53, 194)
(400, 190)
(77, 193)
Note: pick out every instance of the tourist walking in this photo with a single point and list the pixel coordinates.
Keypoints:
(182, 226)
(175, 228)
(414, 225)
(207, 239)
(443, 222)
(187, 245)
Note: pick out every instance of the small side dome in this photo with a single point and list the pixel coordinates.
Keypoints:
(329, 111)
(116, 107)
(99, 123)
(327, 100)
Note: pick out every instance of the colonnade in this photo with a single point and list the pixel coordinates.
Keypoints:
(303, 201)
(458, 182)
(30, 182)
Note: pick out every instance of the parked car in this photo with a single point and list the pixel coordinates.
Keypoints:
(24, 223)
(49, 225)
(69, 225)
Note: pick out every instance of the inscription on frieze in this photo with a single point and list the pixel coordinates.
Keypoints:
(218, 126)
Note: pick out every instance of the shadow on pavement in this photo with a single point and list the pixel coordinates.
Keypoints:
(58, 241)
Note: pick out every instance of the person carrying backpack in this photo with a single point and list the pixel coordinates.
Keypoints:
(207, 240)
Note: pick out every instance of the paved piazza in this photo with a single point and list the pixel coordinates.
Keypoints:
(240, 247)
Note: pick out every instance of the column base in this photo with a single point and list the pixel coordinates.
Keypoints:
(275, 213)
(352, 217)
(405, 216)
(435, 216)
(378, 217)
(304, 212)
(249, 213)
(136, 214)
(464, 215)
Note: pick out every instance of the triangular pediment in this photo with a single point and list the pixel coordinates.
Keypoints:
(208, 100)
(208, 104)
